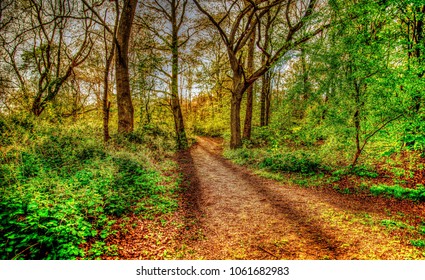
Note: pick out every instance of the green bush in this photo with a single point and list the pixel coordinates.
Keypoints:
(243, 156)
(414, 137)
(292, 162)
(418, 243)
(396, 191)
(63, 189)
(364, 171)
(211, 129)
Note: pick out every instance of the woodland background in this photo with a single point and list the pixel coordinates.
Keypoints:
(96, 98)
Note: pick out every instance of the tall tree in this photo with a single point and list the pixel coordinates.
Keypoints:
(109, 56)
(172, 15)
(249, 92)
(124, 100)
(266, 78)
(236, 25)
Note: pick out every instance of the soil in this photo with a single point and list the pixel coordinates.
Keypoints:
(231, 213)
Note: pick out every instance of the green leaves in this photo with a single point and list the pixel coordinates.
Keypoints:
(68, 190)
(396, 191)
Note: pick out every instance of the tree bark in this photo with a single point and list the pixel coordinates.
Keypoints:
(124, 101)
(268, 98)
(357, 123)
(264, 100)
(235, 122)
(106, 104)
(181, 138)
(249, 91)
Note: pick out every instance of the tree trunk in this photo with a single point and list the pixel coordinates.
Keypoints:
(36, 108)
(249, 91)
(265, 100)
(358, 148)
(235, 122)
(357, 123)
(181, 138)
(124, 102)
(268, 98)
(106, 104)
(239, 86)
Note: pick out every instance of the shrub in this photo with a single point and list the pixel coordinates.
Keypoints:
(418, 243)
(364, 171)
(241, 156)
(62, 189)
(396, 191)
(292, 162)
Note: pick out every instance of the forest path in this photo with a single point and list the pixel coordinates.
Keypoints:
(240, 215)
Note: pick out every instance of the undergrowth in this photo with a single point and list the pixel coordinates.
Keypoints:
(399, 192)
(276, 161)
(61, 189)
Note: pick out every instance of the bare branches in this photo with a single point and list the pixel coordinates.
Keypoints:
(52, 38)
(214, 22)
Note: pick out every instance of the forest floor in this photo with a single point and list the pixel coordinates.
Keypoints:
(231, 213)
(228, 212)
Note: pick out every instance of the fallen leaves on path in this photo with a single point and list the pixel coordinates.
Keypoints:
(227, 212)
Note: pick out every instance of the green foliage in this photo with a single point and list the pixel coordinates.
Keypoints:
(393, 224)
(414, 134)
(396, 191)
(284, 161)
(364, 171)
(359, 170)
(299, 162)
(242, 156)
(62, 189)
(158, 138)
(212, 128)
(418, 243)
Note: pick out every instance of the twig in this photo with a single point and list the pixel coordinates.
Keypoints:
(268, 252)
(20, 253)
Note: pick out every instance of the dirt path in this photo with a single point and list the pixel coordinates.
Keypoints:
(242, 216)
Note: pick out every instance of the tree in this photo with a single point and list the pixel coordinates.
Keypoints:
(38, 52)
(236, 26)
(250, 89)
(124, 101)
(266, 78)
(347, 82)
(170, 14)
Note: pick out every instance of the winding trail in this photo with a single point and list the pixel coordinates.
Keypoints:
(234, 214)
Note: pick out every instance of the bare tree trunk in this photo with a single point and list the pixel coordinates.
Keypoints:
(106, 104)
(125, 105)
(265, 100)
(75, 100)
(268, 99)
(235, 122)
(249, 91)
(181, 138)
(175, 105)
(357, 123)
